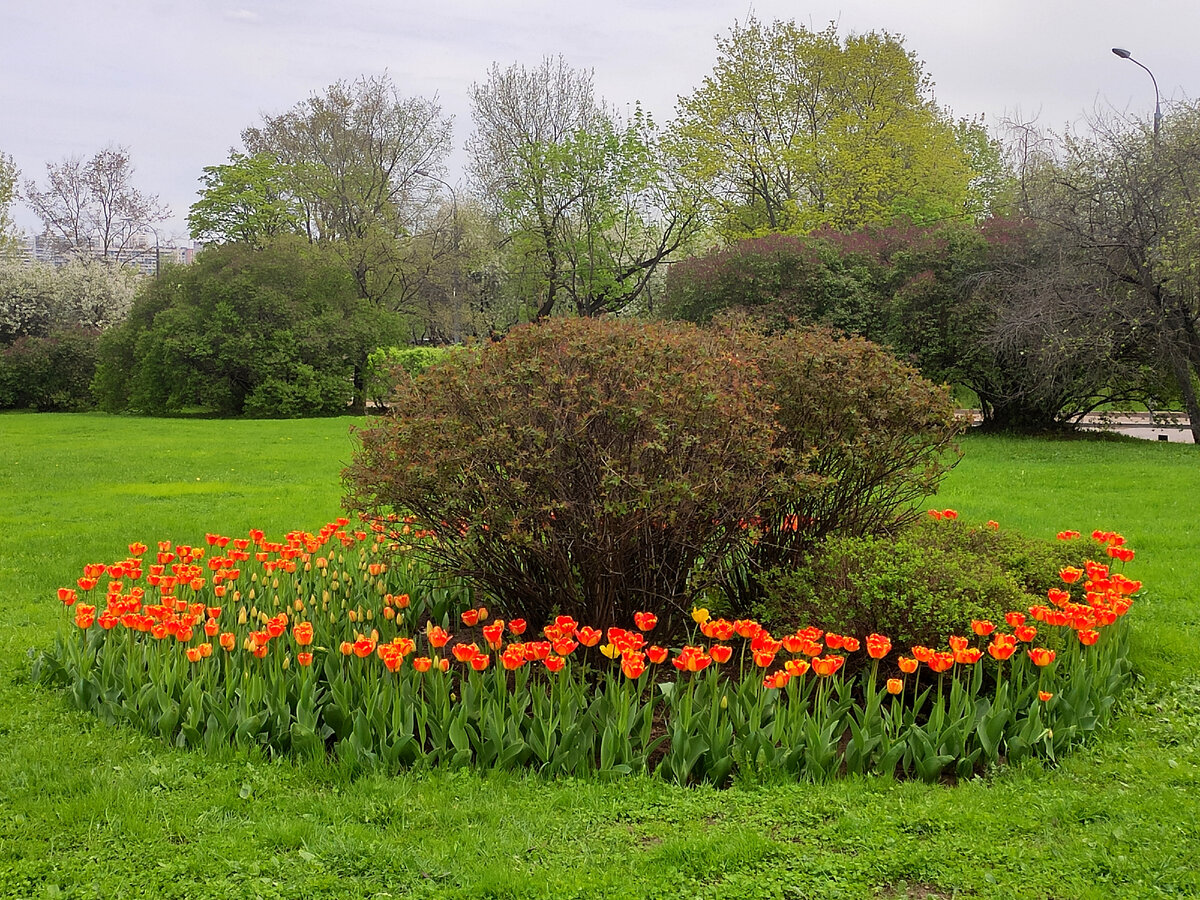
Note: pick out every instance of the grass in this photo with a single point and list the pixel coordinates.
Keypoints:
(92, 811)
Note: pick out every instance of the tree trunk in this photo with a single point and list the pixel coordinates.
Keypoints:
(1187, 390)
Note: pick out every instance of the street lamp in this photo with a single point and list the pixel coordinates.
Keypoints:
(1125, 54)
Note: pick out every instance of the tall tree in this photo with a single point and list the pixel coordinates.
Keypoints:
(795, 129)
(92, 207)
(363, 163)
(589, 201)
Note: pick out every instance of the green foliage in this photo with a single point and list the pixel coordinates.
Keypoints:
(796, 128)
(921, 584)
(52, 373)
(386, 364)
(578, 465)
(280, 331)
(248, 200)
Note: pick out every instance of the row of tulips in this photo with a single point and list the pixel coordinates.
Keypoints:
(334, 641)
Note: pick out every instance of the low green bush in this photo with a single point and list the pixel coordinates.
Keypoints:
(920, 585)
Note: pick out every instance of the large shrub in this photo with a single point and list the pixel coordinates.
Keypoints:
(276, 331)
(586, 467)
(597, 468)
(49, 374)
(386, 365)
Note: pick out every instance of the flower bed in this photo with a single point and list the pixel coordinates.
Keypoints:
(333, 643)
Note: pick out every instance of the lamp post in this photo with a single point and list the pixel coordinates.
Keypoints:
(1125, 54)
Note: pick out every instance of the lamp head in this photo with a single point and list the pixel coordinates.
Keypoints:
(1124, 54)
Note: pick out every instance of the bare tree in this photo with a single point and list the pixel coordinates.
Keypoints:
(92, 207)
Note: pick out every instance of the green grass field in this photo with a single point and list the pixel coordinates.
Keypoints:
(92, 811)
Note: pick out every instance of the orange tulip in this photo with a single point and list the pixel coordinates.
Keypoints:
(589, 636)
(422, 663)
(436, 635)
(302, 632)
(762, 659)
(941, 662)
(907, 664)
(480, 662)
(1089, 637)
(645, 621)
(565, 647)
(982, 627)
(658, 654)
(1041, 656)
(228, 640)
(878, 646)
(1002, 647)
(67, 596)
(923, 654)
(1044, 696)
(894, 685)
(554, 663)
(776, 680)
(517, 627)
(465, 652)
(494, 634)
(633, 664)
(470, 617)
(827, 665)
(957, 643)
(304, 658)
(796, 667)
(720, 653)
(1025, 633)
(1070, 574)
(968, 656)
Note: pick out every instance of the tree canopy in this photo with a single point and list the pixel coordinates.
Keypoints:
(590, 202)
(795, 129)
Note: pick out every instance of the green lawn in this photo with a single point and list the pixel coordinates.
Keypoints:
(92, 811)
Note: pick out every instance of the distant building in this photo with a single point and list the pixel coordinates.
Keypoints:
(47, 250)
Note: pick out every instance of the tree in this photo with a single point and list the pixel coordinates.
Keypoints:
(248, 200)
(589, 202)
(276, 331)
(796, 129)
(362, 162)
(9, 173)
(1126, 199)
(92, 207)
(39, 300)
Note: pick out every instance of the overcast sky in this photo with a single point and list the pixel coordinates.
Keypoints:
(176, 82)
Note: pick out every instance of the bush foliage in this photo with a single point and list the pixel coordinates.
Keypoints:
(595, 468)
(919, 585)
(49, 374)
(278, 331)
